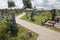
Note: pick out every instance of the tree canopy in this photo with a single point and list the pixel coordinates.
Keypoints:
(11, 4)
(27, 3)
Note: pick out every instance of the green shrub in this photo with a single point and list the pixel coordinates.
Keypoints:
(3, 31)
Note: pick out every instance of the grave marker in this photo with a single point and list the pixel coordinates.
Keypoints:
(32, 15)
(12, 21)
(53, 14)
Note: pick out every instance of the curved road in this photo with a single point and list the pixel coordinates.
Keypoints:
(44, 33)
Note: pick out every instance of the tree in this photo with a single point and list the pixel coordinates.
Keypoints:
(27, 3)
(11, 4)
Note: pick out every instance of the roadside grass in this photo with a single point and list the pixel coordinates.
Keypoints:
(16, 14)
(37, 18)
(53, 28)
(40, 18)
(22, 34)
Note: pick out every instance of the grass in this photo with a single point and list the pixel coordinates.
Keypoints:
(22, 34)
(40, 17)
(16, 14)
(53, 28)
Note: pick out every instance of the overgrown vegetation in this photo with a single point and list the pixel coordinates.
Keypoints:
(21, 34)
(3, 31)
(38, 17)
(41, 17)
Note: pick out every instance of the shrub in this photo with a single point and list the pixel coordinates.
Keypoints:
(3, 31)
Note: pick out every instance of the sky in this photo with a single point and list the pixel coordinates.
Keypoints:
(46, 4)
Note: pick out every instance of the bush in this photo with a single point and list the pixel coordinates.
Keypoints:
(11, 4)
(3, 31)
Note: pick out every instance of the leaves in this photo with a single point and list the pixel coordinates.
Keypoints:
(27, 3)
(11, 4)
(3, 31)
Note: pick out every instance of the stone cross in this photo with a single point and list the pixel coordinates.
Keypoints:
(32, 15)
(12, 21)
(53, 14)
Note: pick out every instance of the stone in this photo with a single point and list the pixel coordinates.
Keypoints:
(12, 21)
(9, 34)
(53, 12)
(32, 15)
(29, 34)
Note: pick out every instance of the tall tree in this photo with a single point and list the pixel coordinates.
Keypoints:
(11, 4)
(27, 3)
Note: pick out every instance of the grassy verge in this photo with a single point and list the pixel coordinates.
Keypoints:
(22, 34)
(37, 18)
(16, 14)
(53, 28)
(40, 17)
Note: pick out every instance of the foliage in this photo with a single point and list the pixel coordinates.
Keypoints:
(22, 34)
(3, 31)
(27, 3)
(38, 17)
(41, 17)
(11, 4)
(4, 28)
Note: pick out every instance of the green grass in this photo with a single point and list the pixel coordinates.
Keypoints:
(40, 17)
(16, 14)
(37, 18)
(22, 34)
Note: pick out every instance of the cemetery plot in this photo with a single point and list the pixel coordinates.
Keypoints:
(50, 23)
(38, 17)
(8, 28)
(55, 21)
(45, 17)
